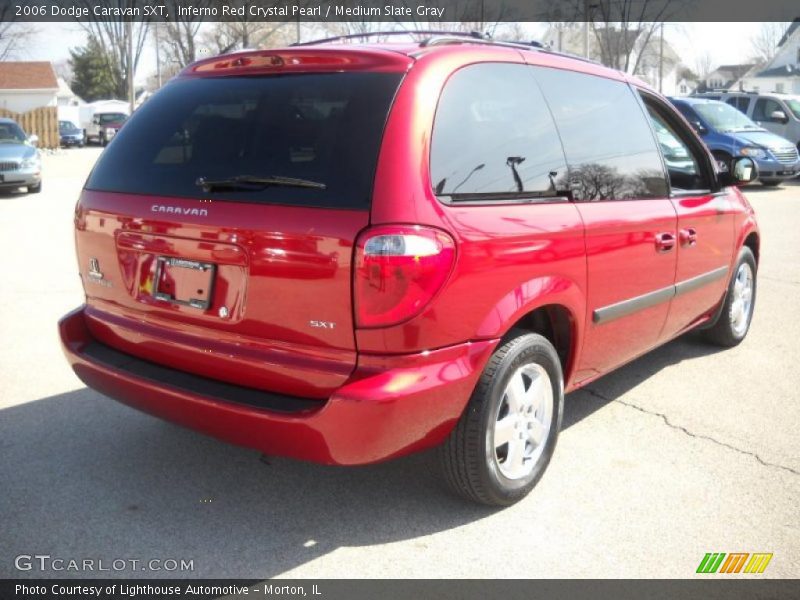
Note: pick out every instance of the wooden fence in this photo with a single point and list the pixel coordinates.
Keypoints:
(40, 121)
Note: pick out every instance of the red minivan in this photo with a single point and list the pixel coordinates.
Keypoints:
(346, 253)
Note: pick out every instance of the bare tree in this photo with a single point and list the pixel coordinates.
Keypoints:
(63, 69)
(765, 41)
(622, 30)
(365, 28)
(245, 33)
(112, 34)
(12, 35)
(703, 65)
(622, 46)
(178, 40)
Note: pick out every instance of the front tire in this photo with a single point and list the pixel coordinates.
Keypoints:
(35, 189)
(737, 311)
(503, 441)
(771, 183)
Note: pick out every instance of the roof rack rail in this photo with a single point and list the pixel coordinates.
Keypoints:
(520, 45)
(443, 39)
(473, 35)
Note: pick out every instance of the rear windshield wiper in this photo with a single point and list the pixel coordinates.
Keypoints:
(250, 183)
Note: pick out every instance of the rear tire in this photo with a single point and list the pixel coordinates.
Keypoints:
(519, 398)
(740, 300)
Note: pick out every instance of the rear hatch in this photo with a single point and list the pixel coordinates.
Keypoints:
(215, 234)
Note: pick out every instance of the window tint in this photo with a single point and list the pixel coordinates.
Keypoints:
(683, 165)
(11, 132)
(608, 142)
(687, 112)
(723, 118)
(794, 106)
(321, 127)
(740, 103)
(493, 135)
(764, 108)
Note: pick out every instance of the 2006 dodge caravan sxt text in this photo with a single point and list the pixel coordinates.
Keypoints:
(346, 253)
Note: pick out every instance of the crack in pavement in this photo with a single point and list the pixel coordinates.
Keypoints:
(699, 436)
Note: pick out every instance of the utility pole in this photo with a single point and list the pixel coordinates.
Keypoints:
(129, 35)
(297, 29)
(586, 8)
(661, 62)
(157, 25)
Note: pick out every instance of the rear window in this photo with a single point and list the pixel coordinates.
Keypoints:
(324, 128)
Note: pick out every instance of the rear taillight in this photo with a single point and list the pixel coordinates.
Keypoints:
(399, 269)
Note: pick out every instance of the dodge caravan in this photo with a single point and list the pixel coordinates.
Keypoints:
(346, 253)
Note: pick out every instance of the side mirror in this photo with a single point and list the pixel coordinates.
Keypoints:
(742, 170)
(779, 116)
(33, 139)
(96, 121)
(699, 127)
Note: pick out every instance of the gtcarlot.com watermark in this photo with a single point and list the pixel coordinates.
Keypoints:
(47, 563)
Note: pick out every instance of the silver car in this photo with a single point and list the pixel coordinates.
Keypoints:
(20, 163)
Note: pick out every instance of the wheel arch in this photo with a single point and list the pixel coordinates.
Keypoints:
(553, 307)
(752, 241)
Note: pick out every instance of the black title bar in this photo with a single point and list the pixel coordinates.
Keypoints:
(407, 12)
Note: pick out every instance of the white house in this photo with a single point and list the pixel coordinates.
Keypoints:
(685, 87)
(782, 73)
(25, 86)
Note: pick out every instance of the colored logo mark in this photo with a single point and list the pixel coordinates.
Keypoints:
(735, 562)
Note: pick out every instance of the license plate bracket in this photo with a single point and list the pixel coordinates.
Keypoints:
(184, 282)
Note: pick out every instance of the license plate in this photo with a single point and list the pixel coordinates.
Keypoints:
(785, 172)
(184, 282)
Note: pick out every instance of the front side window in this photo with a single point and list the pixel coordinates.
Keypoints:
(494, 137)
(764, 109)
(607, 140)
(794, 106)
(683, 164)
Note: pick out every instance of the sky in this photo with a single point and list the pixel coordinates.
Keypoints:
(725, 43)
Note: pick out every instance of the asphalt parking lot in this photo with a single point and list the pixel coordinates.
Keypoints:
(688, 450)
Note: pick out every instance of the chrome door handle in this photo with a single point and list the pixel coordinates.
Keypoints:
(665, 241)
(688, 236)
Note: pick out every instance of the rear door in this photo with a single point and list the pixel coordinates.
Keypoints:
(705, 221)
(216, 232)
(618, 183)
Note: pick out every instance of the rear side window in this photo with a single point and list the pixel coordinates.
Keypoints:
(739, 102)
(607, 140)
(325, 128)
(494, 137)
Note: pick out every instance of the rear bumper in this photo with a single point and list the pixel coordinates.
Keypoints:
(390, 406)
